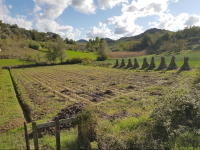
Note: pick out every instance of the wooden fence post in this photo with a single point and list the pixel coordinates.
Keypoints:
(35, 135)
(57, 126)
(26, 136)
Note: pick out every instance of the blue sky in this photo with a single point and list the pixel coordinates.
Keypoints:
(84, 19)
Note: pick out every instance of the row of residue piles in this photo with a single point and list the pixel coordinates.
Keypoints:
(152, 64)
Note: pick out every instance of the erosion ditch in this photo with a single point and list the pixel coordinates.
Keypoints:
(23, 106)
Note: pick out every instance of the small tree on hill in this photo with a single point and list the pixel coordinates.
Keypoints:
(103, 51)
(56, 50)
(103, 48)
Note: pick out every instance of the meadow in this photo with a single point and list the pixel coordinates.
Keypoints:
(14, 62)
(11, 113)
(71, 54)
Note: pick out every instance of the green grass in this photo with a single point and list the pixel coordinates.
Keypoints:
(15, 139)
(14, 62)
(194, 59)
(9, 107)
(72, 54)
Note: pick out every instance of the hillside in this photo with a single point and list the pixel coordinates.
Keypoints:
(82, 41)
(137, 37)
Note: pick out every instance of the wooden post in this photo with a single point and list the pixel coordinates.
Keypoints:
(26, 136)
(35, 135)
(57, 126)
(34, 102)
(80, 136)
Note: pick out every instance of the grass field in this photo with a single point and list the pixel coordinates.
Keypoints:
(14, 62)
(194, 59)
(11, 114)
(72, 54)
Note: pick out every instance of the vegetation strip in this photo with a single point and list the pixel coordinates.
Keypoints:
(26, 115)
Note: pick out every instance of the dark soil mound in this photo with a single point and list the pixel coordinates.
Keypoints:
(185, 66)
(163, 64)
(172, 64)
(145, 63)
(116, 64)
(68, 112)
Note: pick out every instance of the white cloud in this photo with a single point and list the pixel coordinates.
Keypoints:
(45, 20)
(169, 22)
(52, 26)
(20, 20)
(84, 6)
(102, 31)
(103, 4)
(53, 10)
(193, 20)
(10, 6)
(3, 9)
(125, 23)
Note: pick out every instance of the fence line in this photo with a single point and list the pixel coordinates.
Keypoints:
(36, 126)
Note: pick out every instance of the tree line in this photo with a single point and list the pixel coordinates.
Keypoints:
(169, 42)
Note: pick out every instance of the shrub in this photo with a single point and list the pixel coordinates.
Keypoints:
(87, 122)
(176, 116)
(43, 44)
(56, 50)
(3, 36)
(34, 45)
(103, 57)
(77, 60)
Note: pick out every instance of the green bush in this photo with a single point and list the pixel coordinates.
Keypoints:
(3, 36)
(34, 45)
(77, 60)
(103, 57)
(175, 116)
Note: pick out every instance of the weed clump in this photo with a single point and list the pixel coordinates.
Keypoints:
(77, 60)
(163, 64)
(34, 45)
(103, 57)
(87, 123)
(172, 64)
(145, 63)
(186, 65)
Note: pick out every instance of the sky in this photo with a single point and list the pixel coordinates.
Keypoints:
(85, 19)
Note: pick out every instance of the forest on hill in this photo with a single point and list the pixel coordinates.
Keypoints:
(153, 41)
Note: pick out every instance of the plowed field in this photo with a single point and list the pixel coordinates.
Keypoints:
(113, 90)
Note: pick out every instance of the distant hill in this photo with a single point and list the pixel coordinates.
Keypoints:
(108, 39)
(137, 37)
(82, 41)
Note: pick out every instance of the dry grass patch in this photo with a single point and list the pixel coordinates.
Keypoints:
(126, 54)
